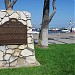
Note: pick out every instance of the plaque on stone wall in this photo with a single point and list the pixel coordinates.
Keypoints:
(13, 32)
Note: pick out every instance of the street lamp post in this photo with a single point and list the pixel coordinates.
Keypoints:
(70, 23)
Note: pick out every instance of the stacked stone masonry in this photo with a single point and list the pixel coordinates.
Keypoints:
(18, 55)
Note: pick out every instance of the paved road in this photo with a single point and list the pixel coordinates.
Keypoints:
(59, 38)
(62, 38)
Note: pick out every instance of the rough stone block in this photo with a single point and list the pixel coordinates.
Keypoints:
(29, 40)
(31, 46)
(24, 22)
(5, 19)
(0, 23)
(31, 59)
(29, 23)
(7, 56)
(1, 55)
(2, 14)
(16, 52)
(14, 15)
(3, 48)
(9, 12)
(10, 51)
(2, 63)
(26, 52)
(12, 46)
(0, 19)
(22, 46)
(20, 62)
(28, 15)
(13, 64)
(6, 65)
(23, 16)
(12, 58)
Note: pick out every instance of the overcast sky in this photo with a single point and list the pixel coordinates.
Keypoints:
(64, 13)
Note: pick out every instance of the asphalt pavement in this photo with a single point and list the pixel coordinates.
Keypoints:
(58, 38)
(61, 38)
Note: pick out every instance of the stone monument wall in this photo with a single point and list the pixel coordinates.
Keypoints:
(18, 55)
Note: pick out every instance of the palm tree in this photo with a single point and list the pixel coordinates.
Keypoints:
(9, 4)
(46, 19)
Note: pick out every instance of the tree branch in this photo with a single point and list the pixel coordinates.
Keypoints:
(54, 10)
(12, 3)
(9, 5)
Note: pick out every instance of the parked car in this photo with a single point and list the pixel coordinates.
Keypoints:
(65, 30)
